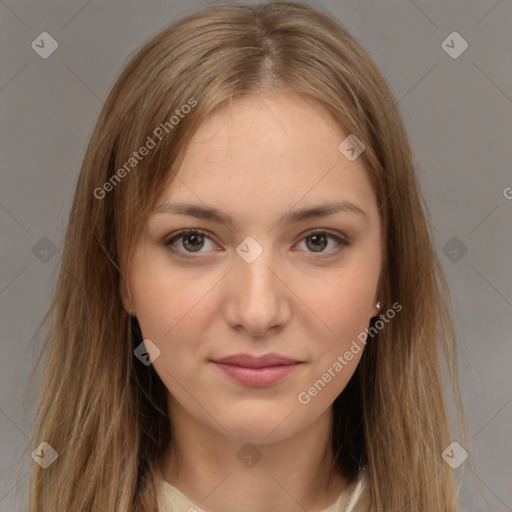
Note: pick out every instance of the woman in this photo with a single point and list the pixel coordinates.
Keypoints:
(250, 308)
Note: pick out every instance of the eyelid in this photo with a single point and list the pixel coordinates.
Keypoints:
(188, 231)
(342, 240)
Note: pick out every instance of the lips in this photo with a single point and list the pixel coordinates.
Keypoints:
(249, 361)
(257, 371)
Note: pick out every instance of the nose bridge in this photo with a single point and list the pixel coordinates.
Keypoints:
(253, 271)
(258, 297)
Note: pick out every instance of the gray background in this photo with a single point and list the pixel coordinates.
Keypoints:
(458, 114)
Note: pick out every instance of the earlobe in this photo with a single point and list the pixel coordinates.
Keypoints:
(126, 297)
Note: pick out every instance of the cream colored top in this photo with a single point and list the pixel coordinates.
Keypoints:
(354, 498)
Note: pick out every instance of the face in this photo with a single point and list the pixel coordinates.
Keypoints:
(258, 302)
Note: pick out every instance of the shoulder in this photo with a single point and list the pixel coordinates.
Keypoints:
(170, 498)
(359, 497)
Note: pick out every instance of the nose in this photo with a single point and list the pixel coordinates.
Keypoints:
(258, 299)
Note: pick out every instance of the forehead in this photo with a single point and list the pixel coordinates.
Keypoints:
(268, 152)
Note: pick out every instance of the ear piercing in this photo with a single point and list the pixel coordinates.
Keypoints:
(378, 305)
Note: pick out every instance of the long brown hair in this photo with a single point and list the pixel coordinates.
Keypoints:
(105, 413)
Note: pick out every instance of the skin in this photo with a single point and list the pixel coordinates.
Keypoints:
(255, 159)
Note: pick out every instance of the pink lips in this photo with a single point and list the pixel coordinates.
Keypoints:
(257, 371)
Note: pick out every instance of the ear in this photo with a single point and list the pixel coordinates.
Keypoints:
(126, 297)
(379, 296)
(374, 311)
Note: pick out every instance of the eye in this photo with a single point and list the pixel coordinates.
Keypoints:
(318, 240)
(193, 240)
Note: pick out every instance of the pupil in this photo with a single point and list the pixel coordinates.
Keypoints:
(197, 244)
(318, 243)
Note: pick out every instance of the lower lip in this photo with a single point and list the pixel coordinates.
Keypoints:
(257, 377)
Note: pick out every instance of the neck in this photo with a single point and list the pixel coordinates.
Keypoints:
(217, 472)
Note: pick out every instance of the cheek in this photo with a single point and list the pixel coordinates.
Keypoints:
(340, 306)
(168, 304)
(350, 310)
(341, 314)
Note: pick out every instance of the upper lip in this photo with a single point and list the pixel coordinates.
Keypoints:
(250, 361)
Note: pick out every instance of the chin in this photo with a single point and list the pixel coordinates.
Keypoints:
(261, 426)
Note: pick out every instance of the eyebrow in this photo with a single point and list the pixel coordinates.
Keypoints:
(213, 214)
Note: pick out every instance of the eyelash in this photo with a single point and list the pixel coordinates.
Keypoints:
(180, 234)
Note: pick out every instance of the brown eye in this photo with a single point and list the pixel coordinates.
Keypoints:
(318, 241)
(192, 242)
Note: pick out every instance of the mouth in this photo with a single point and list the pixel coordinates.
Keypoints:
(262, 371)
